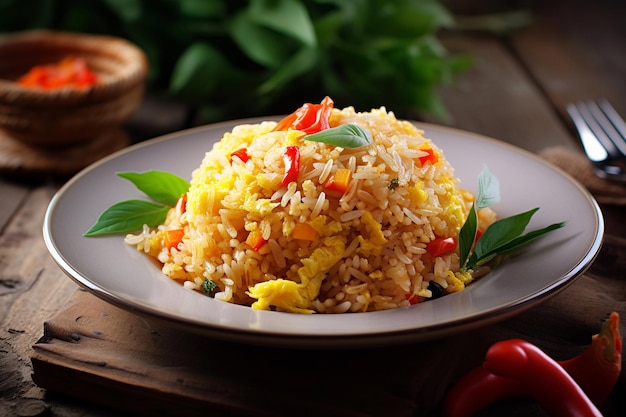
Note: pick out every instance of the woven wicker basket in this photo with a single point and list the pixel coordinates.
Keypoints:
(68, 115)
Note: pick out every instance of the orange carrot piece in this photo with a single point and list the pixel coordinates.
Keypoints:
(173, 238)
(255, 240)
(304, 231)
(339, 181)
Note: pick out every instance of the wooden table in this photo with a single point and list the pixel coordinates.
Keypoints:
(516, 92)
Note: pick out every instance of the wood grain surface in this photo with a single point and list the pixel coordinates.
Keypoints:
(515, 92)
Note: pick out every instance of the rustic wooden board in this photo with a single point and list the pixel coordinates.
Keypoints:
(121, 360)
(12, 195)
(32, 287)
(94, 351)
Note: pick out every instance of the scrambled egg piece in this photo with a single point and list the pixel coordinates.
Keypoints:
(323, 228)
(417, 194)
(374, 244)
(464, 276)
(314, 268)
(260, 206)
(281, 293)
(453, 203)
(293, 296)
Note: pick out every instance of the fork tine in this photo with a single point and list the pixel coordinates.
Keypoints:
(599, 128)
(599, 124)
(592, 146)
(619, 126)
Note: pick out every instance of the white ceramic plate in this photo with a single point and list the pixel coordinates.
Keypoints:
(119, 274)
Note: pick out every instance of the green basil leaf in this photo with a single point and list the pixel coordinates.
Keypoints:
(499, 234)
(503, 236)
(523, 240)
(345, 136)
(488, 189)
(163, 187)
(467, 235)
(128, 216)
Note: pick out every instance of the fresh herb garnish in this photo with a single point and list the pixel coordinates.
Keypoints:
(162, 187)
(345, 136)
(503, 236)
(209, 287)
(127, 216)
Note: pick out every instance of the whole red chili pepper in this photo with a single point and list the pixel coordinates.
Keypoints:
(596, 371)
(310, 118)
(291, 156)
(478, 389)
(545, 380)
(598, 368)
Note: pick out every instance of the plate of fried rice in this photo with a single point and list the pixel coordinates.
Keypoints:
(285, 237)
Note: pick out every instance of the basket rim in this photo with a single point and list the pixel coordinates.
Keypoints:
(133, 68)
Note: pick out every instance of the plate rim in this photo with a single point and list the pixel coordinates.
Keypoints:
(363, 339)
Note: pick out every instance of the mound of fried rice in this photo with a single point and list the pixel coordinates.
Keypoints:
(368, 250)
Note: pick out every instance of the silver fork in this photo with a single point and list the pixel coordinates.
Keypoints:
(603, 135)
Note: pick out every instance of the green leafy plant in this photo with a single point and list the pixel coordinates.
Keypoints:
(233, 58)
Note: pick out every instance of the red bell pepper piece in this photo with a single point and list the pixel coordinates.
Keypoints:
(310, 118)
(440, 246)
(291, 157)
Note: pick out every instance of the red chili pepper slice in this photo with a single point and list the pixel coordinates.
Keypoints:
(310, 118)
(430, 157)
(291, 156)
(241, 154)
(70, 71)
(412, 298)
(440, 246)
(181, 205)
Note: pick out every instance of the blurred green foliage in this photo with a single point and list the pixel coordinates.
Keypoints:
(236, 58)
